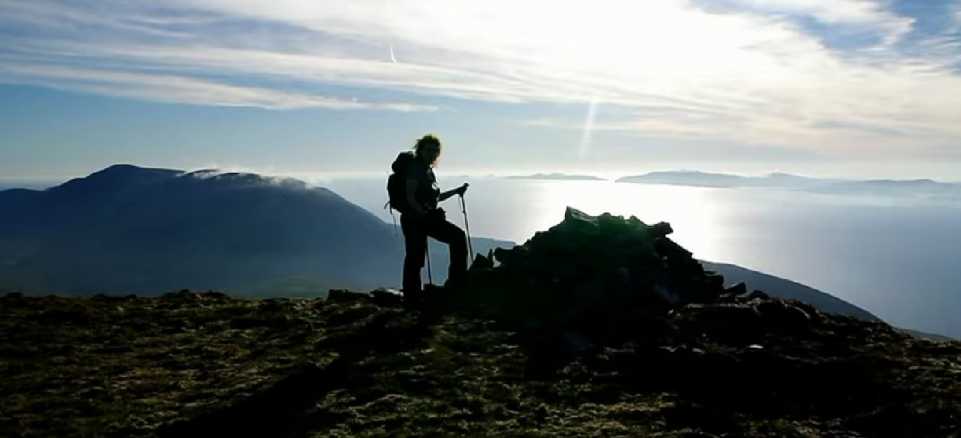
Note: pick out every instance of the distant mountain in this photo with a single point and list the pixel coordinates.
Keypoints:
(689, 178)
(557, 176)
(916, 187)
(6, 184)
(128, 229)
(783, 288)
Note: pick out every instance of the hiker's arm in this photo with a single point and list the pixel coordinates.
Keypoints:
(444, 195)
(412, 199)
(458, 191)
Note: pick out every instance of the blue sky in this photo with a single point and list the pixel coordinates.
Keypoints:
(833, 87)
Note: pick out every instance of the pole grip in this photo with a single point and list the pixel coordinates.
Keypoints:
(470, 247)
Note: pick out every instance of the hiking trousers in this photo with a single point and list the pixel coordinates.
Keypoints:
(434, 224)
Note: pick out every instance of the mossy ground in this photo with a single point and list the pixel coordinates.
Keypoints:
(204, 362)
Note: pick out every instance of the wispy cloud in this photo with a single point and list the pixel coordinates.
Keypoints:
(53, 52)
(751, 74)
(179, 89)
(957, 14)
(866, 15)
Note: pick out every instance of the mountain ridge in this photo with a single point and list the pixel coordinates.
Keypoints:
(788, 289)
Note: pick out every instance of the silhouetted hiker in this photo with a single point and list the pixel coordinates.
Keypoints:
(413, 191)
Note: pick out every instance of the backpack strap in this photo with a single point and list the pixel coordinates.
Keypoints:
(393, 218)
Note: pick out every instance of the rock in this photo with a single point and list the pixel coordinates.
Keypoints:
(667, 295)
(784, 316)
(576, 218)
(662, 229)
(481, 262)
(715, 285)
(214, 295)
(737, 289)
(387, 297)
(729, 322)
(511, 256)
(342, 295)
(183, 294)
(188, 295)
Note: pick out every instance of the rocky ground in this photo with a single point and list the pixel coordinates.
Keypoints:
(354, 365)
(637, 341)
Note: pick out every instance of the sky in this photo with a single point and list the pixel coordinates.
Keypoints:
(819, 87)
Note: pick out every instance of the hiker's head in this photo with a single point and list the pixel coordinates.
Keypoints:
(428, 149)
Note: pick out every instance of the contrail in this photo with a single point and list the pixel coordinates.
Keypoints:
(588, 128)
(392, 57)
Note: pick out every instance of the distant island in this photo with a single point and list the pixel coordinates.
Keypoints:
(913, 187)
(557, 176)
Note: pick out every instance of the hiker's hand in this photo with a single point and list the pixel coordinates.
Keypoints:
(462, 189)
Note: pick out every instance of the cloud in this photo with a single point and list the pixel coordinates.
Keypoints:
(671, 68)
(64, 16)
(866, 15)
(957, 13)
(179, 89)
(91, 66)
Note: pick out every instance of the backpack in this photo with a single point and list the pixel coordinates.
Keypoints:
(397, 182)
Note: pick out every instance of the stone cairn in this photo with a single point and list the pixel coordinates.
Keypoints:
(599, 275)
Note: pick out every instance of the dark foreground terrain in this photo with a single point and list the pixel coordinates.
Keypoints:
(348, 366)
(600, 326)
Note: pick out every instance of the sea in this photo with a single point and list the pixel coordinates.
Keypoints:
(898, 257)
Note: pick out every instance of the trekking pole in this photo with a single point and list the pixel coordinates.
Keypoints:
(430, 278)
(470, 249)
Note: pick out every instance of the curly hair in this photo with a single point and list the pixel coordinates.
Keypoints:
(429, 140)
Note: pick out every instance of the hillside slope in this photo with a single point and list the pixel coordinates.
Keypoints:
(127, 229)
(784, 288)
